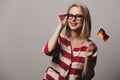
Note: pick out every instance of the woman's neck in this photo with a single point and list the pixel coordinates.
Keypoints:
(76, 36)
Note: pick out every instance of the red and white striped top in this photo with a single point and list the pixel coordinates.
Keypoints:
(66, 64)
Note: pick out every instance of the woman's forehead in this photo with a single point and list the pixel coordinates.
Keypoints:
(76, 10)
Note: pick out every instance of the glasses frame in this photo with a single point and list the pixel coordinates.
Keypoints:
(77, 17)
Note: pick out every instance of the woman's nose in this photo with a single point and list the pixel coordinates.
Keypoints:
(74, 18)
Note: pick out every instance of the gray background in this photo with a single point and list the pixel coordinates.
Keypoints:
(25, 25)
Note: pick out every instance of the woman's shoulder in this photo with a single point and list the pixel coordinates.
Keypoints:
(63, 36)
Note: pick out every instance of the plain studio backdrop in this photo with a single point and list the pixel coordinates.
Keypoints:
(25, 25)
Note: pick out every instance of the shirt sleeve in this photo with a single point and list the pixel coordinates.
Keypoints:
(45, 48)
(54, 52)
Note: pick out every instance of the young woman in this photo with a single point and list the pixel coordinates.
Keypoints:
(74, 55)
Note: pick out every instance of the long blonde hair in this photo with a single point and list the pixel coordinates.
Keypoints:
(86, 27)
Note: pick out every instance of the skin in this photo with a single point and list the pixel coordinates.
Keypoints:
(75, 39)
(74, 24)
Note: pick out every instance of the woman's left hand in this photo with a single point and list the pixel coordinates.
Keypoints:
(91, 49)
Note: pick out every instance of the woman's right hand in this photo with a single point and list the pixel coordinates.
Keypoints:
(62, 19)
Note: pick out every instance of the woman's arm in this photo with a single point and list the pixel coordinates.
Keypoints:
(85, 69)
(90, 61)
(54, 38)
(53, 41)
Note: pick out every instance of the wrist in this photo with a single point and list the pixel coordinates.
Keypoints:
(60, 26)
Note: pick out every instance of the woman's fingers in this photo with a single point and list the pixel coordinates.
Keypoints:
(91, 48)
(62, 17)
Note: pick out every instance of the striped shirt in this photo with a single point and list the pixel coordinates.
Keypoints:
(66, 64)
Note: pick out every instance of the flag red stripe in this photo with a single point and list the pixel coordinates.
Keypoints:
(102, 34)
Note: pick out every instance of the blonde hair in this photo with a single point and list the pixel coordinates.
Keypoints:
(86, 27)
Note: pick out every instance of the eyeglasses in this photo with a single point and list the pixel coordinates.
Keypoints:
(76, 17)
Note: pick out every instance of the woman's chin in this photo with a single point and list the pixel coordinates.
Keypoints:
(74, 27)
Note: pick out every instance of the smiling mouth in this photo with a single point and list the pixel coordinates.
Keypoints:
(73, 24)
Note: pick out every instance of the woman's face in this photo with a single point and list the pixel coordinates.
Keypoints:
(75, 18)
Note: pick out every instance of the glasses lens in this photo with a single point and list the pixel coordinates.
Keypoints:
(79, 17)
(76, 17)
(70, 16)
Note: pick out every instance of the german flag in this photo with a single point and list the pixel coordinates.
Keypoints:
(101, 33)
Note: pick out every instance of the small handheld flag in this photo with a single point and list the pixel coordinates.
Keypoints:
(101, 33)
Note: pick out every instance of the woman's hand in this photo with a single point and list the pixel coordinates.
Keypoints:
(91, 49)
(62, 19)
